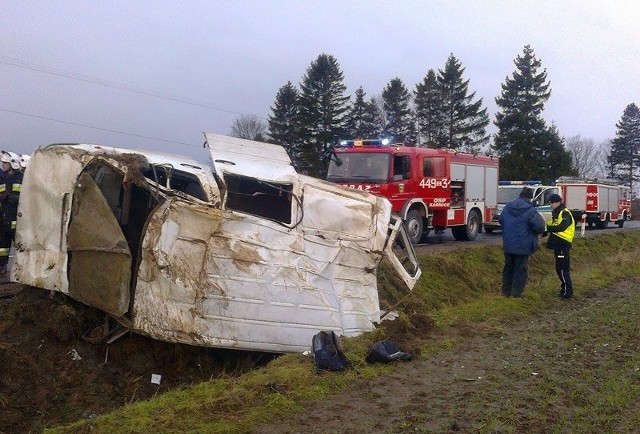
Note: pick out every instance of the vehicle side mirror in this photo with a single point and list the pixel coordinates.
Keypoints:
(536, 202)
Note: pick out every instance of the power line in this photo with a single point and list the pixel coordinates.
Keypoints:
(96, 128)
(114, 84)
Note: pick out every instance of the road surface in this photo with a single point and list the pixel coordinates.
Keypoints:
(446, 240)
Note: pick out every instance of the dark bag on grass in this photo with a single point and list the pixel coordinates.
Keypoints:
(327, 352)
(386, 352)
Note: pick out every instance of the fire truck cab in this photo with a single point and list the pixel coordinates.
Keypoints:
(429, 188)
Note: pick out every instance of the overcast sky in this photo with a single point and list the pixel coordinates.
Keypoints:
(156, 74)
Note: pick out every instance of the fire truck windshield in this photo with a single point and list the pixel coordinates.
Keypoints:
(363, 167)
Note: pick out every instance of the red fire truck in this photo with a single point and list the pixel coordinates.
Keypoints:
(596, 201)
(428, 188)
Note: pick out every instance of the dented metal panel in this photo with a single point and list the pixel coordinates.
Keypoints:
(283, 257)
(246, 283)
(43, 216)
(354, 214)
(247, 157)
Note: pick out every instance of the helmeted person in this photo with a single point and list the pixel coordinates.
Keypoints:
(9, 196)
(561, 229)
(521, 224)
(24, 162)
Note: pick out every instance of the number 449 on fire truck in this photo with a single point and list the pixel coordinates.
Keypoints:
(429, 188)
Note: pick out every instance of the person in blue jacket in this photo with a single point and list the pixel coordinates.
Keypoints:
(521, 224)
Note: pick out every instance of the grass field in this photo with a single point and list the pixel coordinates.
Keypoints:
(539, 364)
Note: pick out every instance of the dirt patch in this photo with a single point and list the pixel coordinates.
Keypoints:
(493, 375)
(50, 375)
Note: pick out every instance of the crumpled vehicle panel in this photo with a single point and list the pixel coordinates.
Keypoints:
(249, 256)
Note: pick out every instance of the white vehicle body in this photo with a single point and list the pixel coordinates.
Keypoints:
(596, 202)
(510, 190)
(256, 258)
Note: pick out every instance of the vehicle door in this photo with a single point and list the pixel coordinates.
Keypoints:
(402, 187)
(99, 260)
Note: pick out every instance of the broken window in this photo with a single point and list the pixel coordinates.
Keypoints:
(177, 180)
(261, 198)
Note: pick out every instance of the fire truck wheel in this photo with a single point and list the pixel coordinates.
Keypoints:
(602, 224)
(413, 224)
(468, 232)
(621, 221)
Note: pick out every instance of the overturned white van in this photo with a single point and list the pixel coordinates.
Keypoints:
(248, 256)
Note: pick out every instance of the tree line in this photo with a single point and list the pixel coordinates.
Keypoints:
(442, 112)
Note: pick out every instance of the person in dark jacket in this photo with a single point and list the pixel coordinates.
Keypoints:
(561, 229)
(521, 224)
(11, 181)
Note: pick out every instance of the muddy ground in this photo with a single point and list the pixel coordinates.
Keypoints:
(53, 371)
(50, 374)
(495, 381)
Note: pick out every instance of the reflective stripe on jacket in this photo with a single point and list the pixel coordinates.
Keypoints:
(15, 187)
(566, 234)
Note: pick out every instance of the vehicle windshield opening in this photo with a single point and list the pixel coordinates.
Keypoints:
(365, 167)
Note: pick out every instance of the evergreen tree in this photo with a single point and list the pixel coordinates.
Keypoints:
(284, 118)
(284, 122)
(428, 106)
(357, 116)
(523, 141)
(624, 159)
(374, 120)
(323, 110)
(550, 162)
(365, 120)
(465, 121)
(556, 160)
(398, 113)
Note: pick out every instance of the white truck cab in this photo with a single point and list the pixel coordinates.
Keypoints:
(509, 190)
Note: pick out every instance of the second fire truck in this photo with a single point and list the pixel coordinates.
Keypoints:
(596, 201)
(429, 188)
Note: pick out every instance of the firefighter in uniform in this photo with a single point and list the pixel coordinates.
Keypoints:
(9, 195)
(561, 229)
(24, 162)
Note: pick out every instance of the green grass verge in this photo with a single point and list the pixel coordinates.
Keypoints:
(458, 288)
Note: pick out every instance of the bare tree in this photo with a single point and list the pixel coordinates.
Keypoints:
(589, 158)
(249, 127)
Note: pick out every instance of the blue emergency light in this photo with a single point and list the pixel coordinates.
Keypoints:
(519, 182)
(365, 142)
